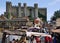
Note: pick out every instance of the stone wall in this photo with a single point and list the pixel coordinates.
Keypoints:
(21, 11)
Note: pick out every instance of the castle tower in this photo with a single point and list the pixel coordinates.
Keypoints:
(25, 9)
(35, 10)
(8, 9)
(19, 10)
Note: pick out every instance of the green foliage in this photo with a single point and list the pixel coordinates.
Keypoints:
(8, 16)
(30, 17)
(53, 18)
(39, 15)
(42, 16)
(56, 15)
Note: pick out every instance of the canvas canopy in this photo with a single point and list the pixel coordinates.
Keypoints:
(15, 32)
(56, 30)
(23, 32)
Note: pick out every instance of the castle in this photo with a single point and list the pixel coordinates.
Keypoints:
(15, 16)
(23, 11)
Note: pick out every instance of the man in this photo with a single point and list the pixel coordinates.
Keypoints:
(13, 41)
(37, 39)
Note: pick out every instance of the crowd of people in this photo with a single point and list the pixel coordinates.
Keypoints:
(22, 40)
(38, 27)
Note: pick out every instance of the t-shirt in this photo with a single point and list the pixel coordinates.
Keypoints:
(46, 38)
(37, 39)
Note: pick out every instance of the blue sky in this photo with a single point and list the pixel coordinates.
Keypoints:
(51, 5)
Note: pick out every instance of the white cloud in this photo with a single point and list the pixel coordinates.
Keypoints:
(53, 2)
(2, 11)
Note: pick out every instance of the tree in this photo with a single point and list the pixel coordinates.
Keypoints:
(42, 16)
(53, 18)
(30, 17)
(56, 15)
(8, 16)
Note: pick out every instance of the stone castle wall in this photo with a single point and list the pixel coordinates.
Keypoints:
(22, 11)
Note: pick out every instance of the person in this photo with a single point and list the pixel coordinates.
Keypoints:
(17, 41)
(38, 39)
(54, 40)
(13, 41)
(40, 30)
(46, 39)
(50, 40)
(32, 38)
(23, 39)
(10, 42)
(58, 37)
